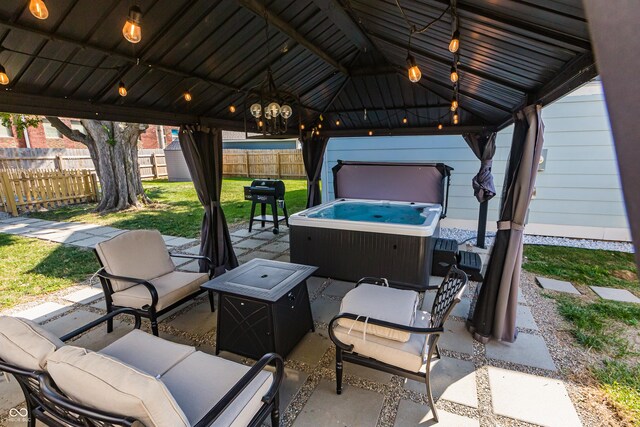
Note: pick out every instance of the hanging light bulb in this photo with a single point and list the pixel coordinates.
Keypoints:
(122, 89)
(267, 114)
(440, 126)
(337, 122)
(405, 120)
(4, 78)
(260, 123)
(38, 9)
(454, 75)
(302, 127)
(274, 109)
(454, 105)
(317, 131)
(414, 72)
(370, 133)
(454, 44)
(232, 108)
(455, 118)
(187, 96)
(131, 30)
(256, 110)
(286, 111)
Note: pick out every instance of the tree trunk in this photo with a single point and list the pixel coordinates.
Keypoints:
(113, 147)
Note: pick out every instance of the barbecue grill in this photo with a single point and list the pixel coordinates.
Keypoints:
(265, 192)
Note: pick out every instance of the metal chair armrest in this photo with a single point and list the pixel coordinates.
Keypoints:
(246, 379)
(381, 281)
(206, 258)
(371, 321)
(91, 325)
(152, 289)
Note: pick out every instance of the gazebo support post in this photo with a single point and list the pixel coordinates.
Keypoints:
(482, 224)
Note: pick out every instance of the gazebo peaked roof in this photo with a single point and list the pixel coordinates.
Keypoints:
(339, 57)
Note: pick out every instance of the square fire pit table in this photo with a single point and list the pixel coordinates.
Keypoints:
(263, 307)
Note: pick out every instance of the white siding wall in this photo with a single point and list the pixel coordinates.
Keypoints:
(577, 195)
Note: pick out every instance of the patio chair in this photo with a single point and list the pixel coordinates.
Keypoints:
(137, 380)
(381, 328)
(137, 272)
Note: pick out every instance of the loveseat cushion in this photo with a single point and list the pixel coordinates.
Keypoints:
(171, 287)
(409, 355)
(382, 303)
(25, 344)
(148, 353)
(105, 383)
(140, 254)
(201, 380)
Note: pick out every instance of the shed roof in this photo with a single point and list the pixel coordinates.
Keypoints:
(339, 57)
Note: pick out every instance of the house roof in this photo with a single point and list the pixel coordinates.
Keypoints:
(338, 57)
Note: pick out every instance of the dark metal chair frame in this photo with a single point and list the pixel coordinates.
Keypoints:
(448, 295)
(148, 311)
(46, 403)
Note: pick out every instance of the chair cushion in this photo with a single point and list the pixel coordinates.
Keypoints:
(382, 303)
(201, 380)
(139, 254)
(171, 287)
(25, 344)
(105, 383)
(148, 353)
(407, 355)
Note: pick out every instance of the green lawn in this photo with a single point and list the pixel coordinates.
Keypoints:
(176, 210)
(607, 328)
(32, 267)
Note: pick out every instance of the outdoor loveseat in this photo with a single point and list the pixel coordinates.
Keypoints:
(138, 379)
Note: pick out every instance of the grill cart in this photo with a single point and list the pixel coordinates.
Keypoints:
(265, 192)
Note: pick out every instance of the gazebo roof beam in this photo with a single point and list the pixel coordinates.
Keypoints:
(374, 109)
(447, 130)
(341, 19)
(260, 10)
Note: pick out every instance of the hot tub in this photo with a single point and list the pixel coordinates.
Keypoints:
(351, 238)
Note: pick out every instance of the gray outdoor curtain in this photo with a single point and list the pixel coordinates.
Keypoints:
(483, 146)
(495, 308)
(202, 149)
(313, 147)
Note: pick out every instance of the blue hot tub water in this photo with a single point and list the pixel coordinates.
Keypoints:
(369, 212)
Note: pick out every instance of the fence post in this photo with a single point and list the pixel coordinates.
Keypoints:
(278, 169)
(58, 162)
(246, 162)
(154, 166)
(5, 181)
(94, 187)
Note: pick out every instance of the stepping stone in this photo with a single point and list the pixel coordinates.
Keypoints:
(451, 379)
(612, 294)
(536, 400)
(362, 371)
(415, 414)
(528, 350)
(42, 312)
(75, 236)
(314, 283)
(323, 310)
(284, 258)
(256, 254)
(557, 285)
(193, 267)
(179, 261)
(197, 320)
(276, 247)
(456, 338)
(90, 242)
(310, 349)
(524, 318)
(235, 239)
(354, 407)
(70, 322)
(181, 241)
(338, 288)
(85, 296)
(292, 382)
(265, 235)
(11, 396)
(245, 232)
(284, 238)
(102, 230)
(249, 244)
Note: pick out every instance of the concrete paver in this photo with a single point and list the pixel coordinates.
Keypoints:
(611, 294)
(557, 285)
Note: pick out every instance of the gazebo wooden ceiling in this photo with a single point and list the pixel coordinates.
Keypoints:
(339, 57)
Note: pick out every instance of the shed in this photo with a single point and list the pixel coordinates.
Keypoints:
(177, 169)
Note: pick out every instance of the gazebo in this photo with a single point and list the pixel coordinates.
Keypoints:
(343, 68)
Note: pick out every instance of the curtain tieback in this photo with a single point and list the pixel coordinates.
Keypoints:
(510, 225)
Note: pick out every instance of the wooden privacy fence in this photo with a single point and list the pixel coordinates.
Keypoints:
(152, 163)
(29, 190)
(263, 163)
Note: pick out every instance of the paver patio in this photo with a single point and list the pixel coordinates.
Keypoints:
(370, 398)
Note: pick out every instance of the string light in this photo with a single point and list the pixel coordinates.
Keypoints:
(122, 89)
(187, 96)
(405, 120)
(131, 30)
(370, 133)
(4, 78)
(337, 122)
(232, 109)
(319, 125)
(302, 127)
(414, 72)
(317, 131)
(38, 9)
(260, 123)
(454, 105)
(455, 118)
(454, 44)
(454, 75)
(440, 126)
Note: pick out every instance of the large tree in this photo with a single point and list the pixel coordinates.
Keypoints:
(113, 147)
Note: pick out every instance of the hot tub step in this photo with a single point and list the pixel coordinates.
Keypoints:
(470, 263)
(444, 256)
